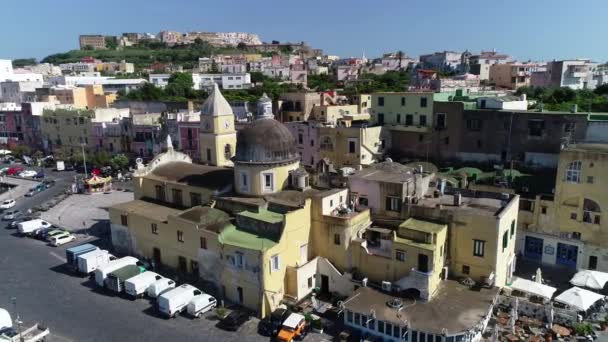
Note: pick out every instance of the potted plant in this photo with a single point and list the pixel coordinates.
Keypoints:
(220, 312)
(317, 325)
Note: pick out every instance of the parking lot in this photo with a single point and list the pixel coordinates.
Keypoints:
(72, 306)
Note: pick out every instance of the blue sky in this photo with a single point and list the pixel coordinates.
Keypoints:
(526, 29)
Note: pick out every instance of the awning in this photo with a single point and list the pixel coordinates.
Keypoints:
(578, 298)
(532, 287)
(591, 279)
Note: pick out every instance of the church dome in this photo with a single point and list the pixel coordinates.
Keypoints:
(265, 141)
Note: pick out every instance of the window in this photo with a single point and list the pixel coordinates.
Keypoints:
(403, 101)
(396, 331)
(349, 316)
(363, 201)
(409, 119)
(388, 329)
(336, 239)
(573, 216)
(239, 259)
(569, 127)
(466, 269)
(423, 102)
(596, 219)
(474, 124)
(124, 221)
(351, 146)
(380, 118)
(154, 228)
(275, 263)
(536, 128)
(381, 101)
(505, 240)
(543, 210)
(195, 199)
(512, 228)
(203, 242)
(398, 118)
(422, 120)
(590, 179)
(393, 204)
(479, 247)
(300, 138)
(310, 282)
(479, 144)
(312, 143)
(573, 172)
(160, 192)
(268, 181)
(381, 327)
(177, 197)
(180, 236)
(357, 318)
(440, 124)
(400, 255)
(446, 140)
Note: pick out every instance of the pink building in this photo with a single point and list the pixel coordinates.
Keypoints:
(20, 124)
(188, 138)
(305, 134)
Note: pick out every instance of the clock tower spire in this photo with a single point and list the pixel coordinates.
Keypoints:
(217, 138)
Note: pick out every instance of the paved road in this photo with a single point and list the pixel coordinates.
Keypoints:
(75, 311)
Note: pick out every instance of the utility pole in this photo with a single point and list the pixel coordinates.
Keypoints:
(84, 160)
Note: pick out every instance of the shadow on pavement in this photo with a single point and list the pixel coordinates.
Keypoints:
(64, 269)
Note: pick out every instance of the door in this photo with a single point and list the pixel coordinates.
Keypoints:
(156, 256)
(423, 263)
(381, 119)
(240, 293)
(533, 249)
(566, 255)
(324, 284)
(182, 265)
(592, 262)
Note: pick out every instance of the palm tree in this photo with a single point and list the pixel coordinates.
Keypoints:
(400, 55)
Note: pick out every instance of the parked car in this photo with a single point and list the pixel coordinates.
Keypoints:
(293, 328)
(7, 204)
(39, 175)
(42, 233)
(27, 173)
(31, 193)
(13, 171)
(176, 300)
(234, 320)
(271, 325)
(62, 239)
(56, 232)
(48, 183)
(201, 304)
(4, 170)
(11, 214)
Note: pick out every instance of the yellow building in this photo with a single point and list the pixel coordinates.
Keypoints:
(89, 97)
(353, 146)
(217, 137)
(410, 111)
(67, 128)
(567, 228)
(331, 114)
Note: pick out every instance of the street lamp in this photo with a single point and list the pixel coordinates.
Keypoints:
(84, 160)
(18, 319)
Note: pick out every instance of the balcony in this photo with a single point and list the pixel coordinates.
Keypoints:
(577, 72)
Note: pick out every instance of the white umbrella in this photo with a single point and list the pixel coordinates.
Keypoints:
(578, 298)
(550, 313)
(591, 279)
(515, 308)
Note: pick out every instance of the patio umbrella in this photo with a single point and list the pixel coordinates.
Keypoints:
(550, 313)
(578, 298)
(591, 279)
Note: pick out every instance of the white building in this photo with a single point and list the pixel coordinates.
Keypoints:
(109, 84)
(574, 74)
(18, 92)
(225, 81)
(480, 64)
(160, 80)
(278, 72)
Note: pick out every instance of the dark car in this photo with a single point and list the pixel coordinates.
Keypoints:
(69, 167)
(49, 183)
(42, 233)
(13, 224)
(234, 320)
(271, 325)
(39, 175)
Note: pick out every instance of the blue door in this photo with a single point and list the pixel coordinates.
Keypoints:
(566, 255)
(534, 248)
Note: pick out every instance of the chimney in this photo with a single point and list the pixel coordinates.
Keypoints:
(457, 199)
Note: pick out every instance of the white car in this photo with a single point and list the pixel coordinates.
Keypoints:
(7, 204)
(27, 173)
(62, 239)
(11, 214)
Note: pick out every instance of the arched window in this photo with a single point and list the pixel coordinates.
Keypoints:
(227, 151)
(591, 211)
(573, 172)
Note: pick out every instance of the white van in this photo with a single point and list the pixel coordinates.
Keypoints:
(159, 287)
(137, 286)
(89, 262)
(201, 304)
(101, 273)
(62, 239)
(175, 301)
(30, 227)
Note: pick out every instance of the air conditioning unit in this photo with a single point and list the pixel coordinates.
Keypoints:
(386, 285)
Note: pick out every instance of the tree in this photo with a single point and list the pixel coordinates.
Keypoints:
(241, 46)
(400, 55)
(111, 43)
(257, 77)
(21, 150)
(601, 90)
(119, 162)
(180, 85)
(286, 49)
(21, 62)
(88, 48)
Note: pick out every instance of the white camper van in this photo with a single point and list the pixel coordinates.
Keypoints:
(137, 286)
(176, 300)
(101, 273)
(201, 304)
(159, 287)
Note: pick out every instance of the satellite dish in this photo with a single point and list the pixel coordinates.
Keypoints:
(139, 161)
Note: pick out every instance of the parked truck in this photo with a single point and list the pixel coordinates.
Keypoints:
(71, 254)
(30, 227)
(176, 300)
(89, 262)
(8, 333)
(136, 286)
(102, 272)
(60, 165)
(115, 280)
